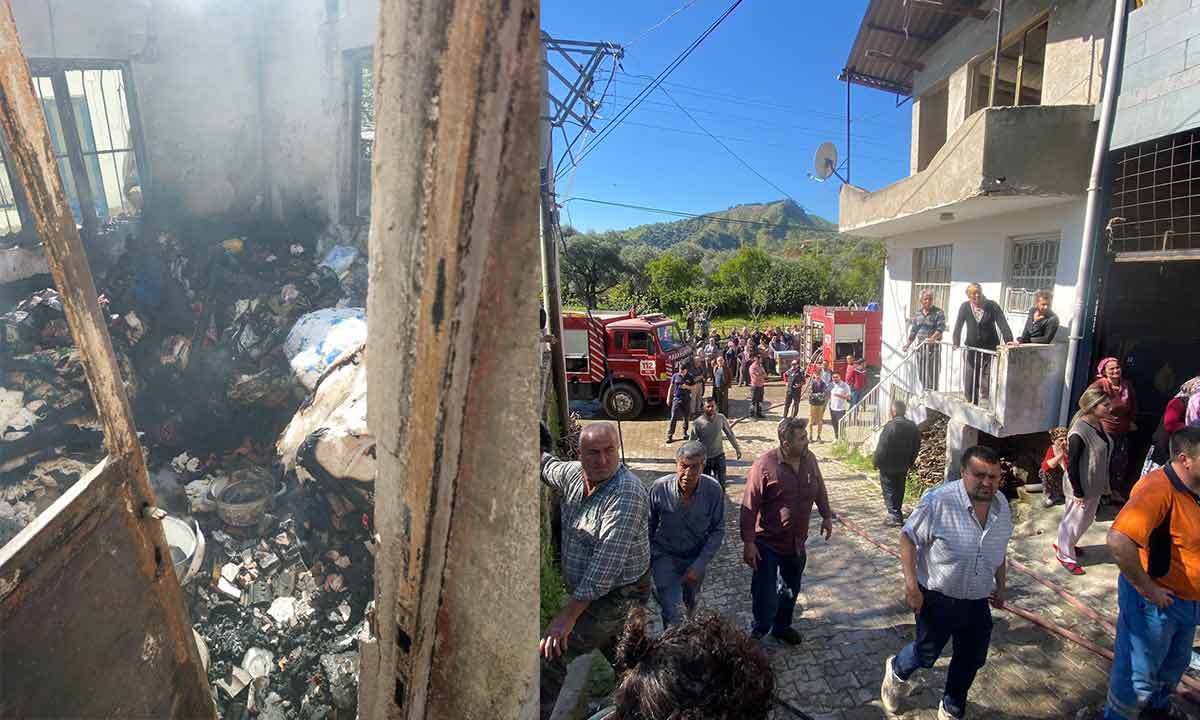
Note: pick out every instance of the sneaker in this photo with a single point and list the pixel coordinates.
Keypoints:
(944, 714)
(791, 636)
(670, 440)
(756, 635)
(895, 521)
(893, 690)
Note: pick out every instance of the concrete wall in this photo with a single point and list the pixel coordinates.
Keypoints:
(980, 255)
(1074, 50)
(1160, 87)
(243, 102)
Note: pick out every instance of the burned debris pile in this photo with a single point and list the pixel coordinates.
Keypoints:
(242, 354)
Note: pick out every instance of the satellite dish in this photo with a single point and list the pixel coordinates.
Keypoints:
(825, 162)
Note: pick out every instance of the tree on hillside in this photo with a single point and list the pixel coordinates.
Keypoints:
(860, 279)
(745, 274)
(592, 266)
(671, 280)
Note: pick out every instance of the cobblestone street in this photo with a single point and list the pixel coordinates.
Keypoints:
(851, 610)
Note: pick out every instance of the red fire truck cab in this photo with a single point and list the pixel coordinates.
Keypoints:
(623, 359)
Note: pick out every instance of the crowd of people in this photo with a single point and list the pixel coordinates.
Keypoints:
(628, 543)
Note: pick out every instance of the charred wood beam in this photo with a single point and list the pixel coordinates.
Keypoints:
(99, 523)
(451, 360)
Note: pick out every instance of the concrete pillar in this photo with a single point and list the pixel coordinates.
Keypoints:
(959, 437)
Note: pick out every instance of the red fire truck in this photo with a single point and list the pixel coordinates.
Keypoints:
(840, 331)
(623, 359)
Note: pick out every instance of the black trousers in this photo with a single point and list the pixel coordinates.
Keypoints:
(791, 405)
(715, 467)
(892, 484)
(721, 394)
(976, 373)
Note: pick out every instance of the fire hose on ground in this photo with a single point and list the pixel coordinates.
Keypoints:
(1190, 687)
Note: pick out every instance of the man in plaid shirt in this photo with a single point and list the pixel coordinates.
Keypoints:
(606, 554)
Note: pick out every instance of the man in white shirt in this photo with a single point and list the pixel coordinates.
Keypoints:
(839, 402)
(953, 551)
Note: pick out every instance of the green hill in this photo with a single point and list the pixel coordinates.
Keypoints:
(793, 226)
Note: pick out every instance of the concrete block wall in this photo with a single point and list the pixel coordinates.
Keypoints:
(1160, 85)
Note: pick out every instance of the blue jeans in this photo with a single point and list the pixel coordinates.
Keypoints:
(774, 587)
(1153, 649)
(942, 618)
(892, 484)
(671, 589)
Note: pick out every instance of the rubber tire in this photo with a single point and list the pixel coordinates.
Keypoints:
(628, 395)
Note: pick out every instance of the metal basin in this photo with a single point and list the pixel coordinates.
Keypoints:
(186, 543)
(245, 499)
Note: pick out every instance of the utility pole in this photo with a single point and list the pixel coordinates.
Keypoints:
(450, 360)
(581, 59)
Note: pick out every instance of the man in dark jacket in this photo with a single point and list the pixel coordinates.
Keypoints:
(1042, 324)
(894, 456)
(985, 323)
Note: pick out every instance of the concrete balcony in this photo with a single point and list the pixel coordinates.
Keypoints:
(1010, 391)
(1000, 160)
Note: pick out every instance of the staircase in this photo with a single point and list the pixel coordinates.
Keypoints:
(863, 421)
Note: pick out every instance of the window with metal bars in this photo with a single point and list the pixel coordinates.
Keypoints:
(87, 107)
(1033, 266)
(931, 271)
(1156, 195)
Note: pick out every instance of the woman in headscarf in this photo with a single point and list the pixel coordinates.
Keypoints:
(1088, 461)
(1182, 411)
(1112, 381)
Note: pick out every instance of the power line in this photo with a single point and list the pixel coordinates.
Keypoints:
(729, 150)
(660, 23)
(742, 100)
(620, 116)
(704, 216)
(820, 132)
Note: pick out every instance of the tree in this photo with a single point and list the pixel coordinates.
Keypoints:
(745, 274)
(592, 266)
(671, 279)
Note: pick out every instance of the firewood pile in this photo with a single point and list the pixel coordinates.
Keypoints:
(930, 468)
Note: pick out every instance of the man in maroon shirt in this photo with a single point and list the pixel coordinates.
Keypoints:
(780, 491)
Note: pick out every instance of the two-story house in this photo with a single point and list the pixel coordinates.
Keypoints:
(996, 195)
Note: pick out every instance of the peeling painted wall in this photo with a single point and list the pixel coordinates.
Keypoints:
(242, 101)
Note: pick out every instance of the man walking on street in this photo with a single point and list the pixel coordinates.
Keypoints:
(953, 551)
(721, 379)
(793, 382)
(680, 399)
(1154, 541)
(605, 553)
(895, 453)
(707, 429)
(687, 522)
(758, 386)
(781, 488)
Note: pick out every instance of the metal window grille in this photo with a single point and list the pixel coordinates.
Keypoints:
(1033, 267)
(1156, 195)
(931, 271)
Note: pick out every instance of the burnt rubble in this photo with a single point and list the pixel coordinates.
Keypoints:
(277, 564)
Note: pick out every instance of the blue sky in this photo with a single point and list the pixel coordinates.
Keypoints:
(765, 82)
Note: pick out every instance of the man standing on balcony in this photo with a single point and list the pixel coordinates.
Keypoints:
(985, 323)
(1042, 324)
(895, 453)
(927, 328)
